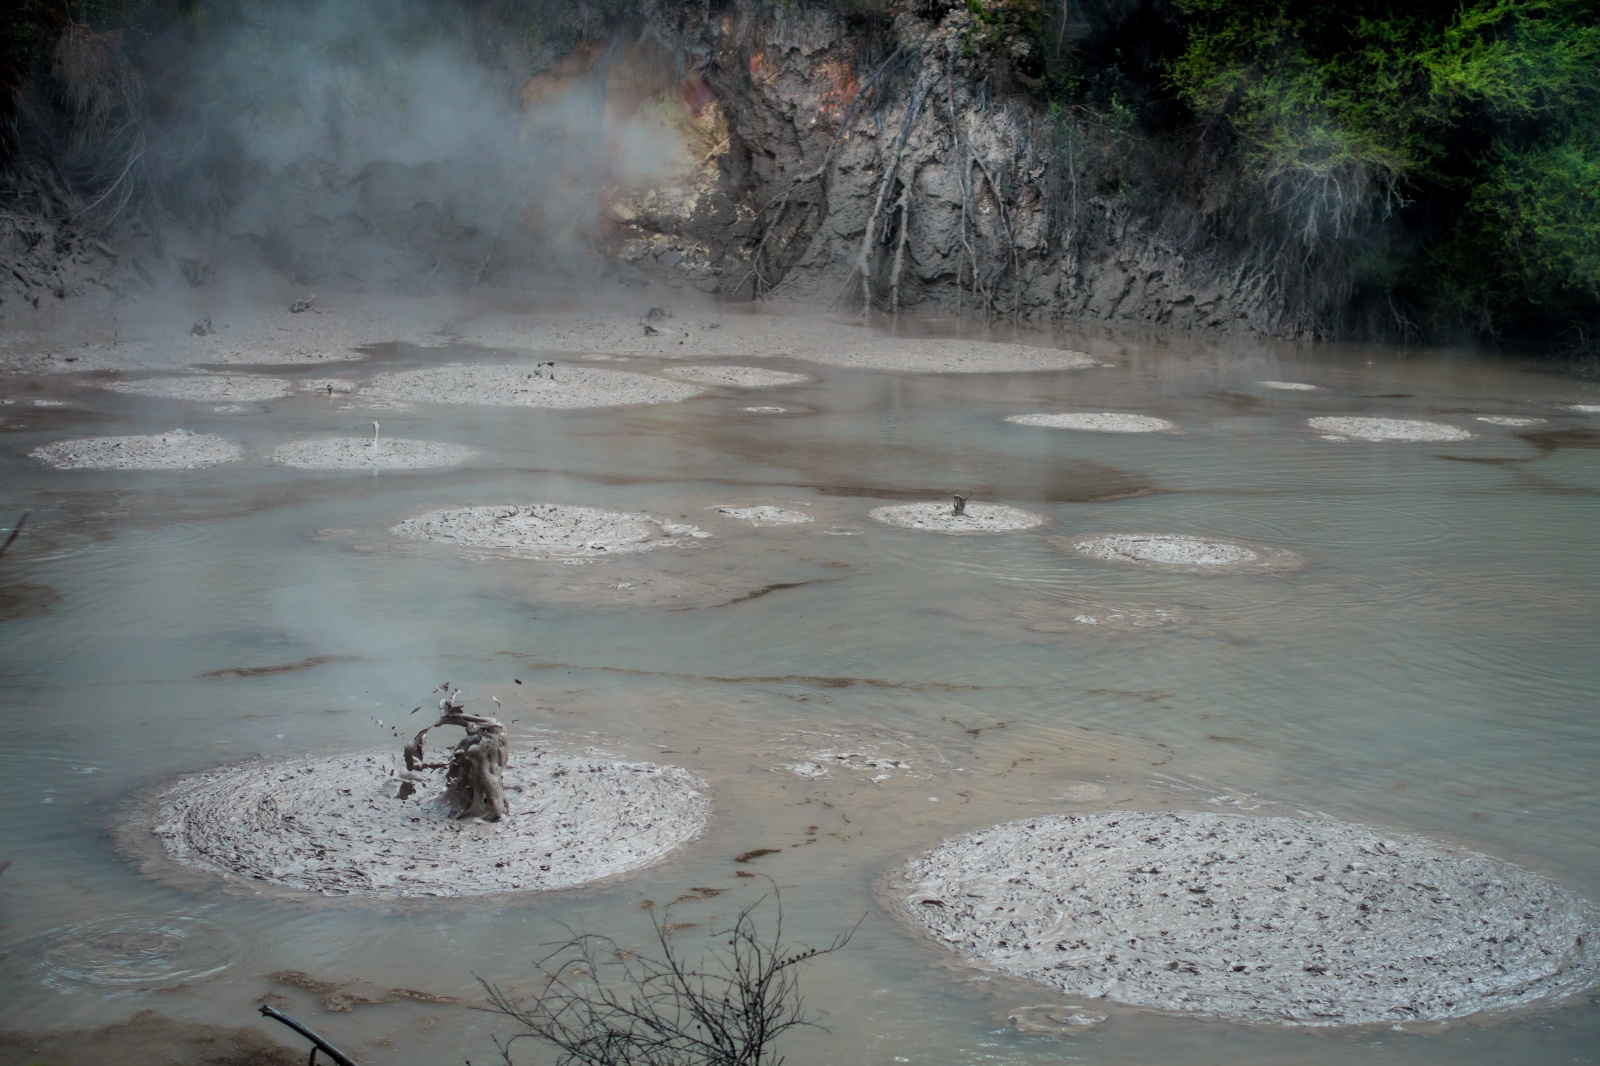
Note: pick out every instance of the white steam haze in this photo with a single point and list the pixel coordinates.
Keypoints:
(365, 146)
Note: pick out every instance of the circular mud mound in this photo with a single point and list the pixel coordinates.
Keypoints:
(362, 453)
(517, 386)
(738, 377)
(1281, 920)
(1105, 422)
(1289, 386)
(337, 825)
(767, 514)
(1382, 429)
(545, 529)
(1172, 549)
(178, 449)
(939, 518)
(210, 388)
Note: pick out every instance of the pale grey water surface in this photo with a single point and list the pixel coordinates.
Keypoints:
(1431, 667)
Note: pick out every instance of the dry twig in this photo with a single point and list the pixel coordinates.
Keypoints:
(603, 1006)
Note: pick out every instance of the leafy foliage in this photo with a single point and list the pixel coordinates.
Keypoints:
(1471, 125)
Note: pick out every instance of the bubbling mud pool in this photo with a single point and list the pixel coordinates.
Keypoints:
(1405, 645)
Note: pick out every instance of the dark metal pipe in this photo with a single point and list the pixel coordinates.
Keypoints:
(326, 1048)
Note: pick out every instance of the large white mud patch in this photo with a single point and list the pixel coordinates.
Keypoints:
(337, 825)
(178, 449)
(1296, 921)
(546, 529)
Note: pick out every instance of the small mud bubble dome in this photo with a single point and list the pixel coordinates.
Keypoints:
(545, 529)
(365, 453)
(1387, 429)
(178, 449)
(942, 517)
(1178, 550)
(522, 386)
(1103, 422)
(349, 825)
(210, 388)
(767, 513)
(1213, 914)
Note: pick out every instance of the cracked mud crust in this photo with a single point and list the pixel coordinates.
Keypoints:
(1293, 921)
(336, 825)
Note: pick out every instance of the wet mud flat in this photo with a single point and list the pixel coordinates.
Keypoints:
(850, 694)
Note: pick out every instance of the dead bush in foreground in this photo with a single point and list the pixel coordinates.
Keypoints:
(603, 1006)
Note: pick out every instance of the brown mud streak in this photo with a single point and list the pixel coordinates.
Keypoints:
(775, 679)
(23, 600)
(1549, 441)
(765, 590)
(280, 668)
(150, 1039)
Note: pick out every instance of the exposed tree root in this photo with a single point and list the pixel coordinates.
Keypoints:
(863, 264)
(778, 205)
(903, 205)
(473, 785)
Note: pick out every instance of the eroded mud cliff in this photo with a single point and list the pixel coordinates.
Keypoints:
(790, 153)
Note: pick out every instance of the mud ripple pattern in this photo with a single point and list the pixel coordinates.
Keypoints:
(337, 825)
(1281, 920)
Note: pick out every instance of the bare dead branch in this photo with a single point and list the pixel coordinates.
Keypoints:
(16, 531)
(602, 1006)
